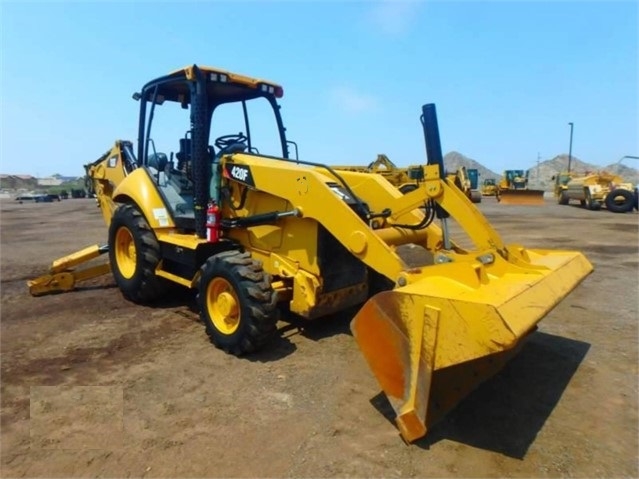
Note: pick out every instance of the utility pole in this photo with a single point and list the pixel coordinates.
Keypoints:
(570, 148)
(538, 157)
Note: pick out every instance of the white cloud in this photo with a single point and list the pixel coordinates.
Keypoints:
(393, 17)
(352, 101)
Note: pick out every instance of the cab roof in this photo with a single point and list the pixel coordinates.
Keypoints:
(223, 86)
(233, 77)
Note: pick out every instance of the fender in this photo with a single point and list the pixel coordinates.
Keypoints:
(139, 188)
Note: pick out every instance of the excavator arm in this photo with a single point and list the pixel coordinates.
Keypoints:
(102, 178)
(105, 174)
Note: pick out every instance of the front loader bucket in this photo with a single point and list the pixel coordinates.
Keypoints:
(521, 197)
(430, 343)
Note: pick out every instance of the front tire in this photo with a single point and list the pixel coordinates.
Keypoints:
(590, 203)
(237, 302)
(134, 253)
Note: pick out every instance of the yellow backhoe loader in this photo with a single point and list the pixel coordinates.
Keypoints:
(513, 189)
(257, 232)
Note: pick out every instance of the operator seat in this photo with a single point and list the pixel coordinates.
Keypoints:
(157, 163)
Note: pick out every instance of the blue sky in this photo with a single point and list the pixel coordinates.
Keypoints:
(506, 76)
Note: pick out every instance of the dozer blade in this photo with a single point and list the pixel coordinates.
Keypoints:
(521, 197)
(430, 343)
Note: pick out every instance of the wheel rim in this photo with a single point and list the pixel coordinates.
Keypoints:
(125, 254)
(223, 306)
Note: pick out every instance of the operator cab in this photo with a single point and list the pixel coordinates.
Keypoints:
(226, 113)
(518, 179)
(562, 179)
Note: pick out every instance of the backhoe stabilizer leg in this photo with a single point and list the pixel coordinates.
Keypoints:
(63, 278)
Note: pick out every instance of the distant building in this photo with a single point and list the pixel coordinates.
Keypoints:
(52, 181)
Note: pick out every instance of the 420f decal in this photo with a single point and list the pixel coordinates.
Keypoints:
(239, 173)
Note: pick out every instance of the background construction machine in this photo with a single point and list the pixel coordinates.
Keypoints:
(402, 178)
(259, 233)
(594, 190)
(489, 187)
(513, 189)
(407, 179)
(469, 178)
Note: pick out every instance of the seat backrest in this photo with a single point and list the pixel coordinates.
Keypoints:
(157, 161)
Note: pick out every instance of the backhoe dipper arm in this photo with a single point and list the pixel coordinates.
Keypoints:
(102, 178)
(107, 172)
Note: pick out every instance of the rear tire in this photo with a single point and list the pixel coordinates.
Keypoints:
(237, 302)
(626, 205)
(475, 196)
(134, 253)
(563, 198)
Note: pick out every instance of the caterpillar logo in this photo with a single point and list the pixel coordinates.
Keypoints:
(240, 173)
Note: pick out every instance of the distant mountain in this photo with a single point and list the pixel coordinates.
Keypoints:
(541, 175)
(454, 160)
(625, 171)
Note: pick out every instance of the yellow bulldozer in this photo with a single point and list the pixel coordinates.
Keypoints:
(512, 189)
(260, 234)
(407, 179)
(594, 190)
(489, 187)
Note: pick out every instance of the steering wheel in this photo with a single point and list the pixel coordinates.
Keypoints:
(236, 142)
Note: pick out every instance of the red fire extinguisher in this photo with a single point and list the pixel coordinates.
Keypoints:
(212, 223)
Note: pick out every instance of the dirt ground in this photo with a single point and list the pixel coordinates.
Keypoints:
(93, 385)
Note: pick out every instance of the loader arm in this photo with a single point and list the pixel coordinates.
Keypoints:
(324, 199)
(454, 321)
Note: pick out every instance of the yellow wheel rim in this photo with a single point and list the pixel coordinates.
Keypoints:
(125, 252)
(223, 306)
